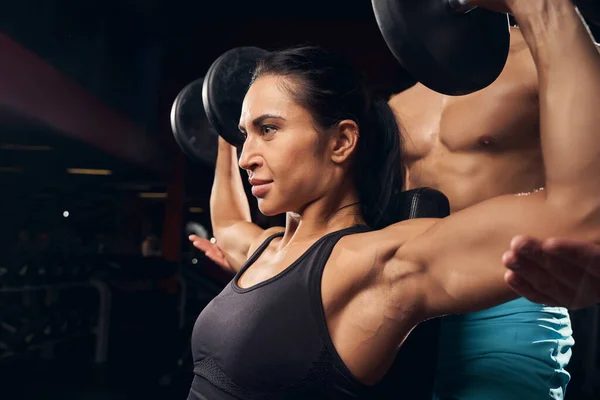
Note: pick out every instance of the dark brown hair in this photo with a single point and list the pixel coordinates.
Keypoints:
(332, 89)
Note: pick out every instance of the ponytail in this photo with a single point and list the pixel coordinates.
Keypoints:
(379, 168)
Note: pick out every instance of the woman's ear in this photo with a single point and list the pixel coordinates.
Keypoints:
(344, 140)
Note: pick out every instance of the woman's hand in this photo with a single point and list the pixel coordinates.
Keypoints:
(212, 251)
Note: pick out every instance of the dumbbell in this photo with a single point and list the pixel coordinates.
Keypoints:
(77, 270)
(449, 46)
(60, 323)
(51, 323)
(87, 269)
(80, 268)
(19, 273)
(17, 332)
(42, 324)
(23, 272)
(57, 270)
(211, 106)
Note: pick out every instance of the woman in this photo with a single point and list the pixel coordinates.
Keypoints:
(319, 309)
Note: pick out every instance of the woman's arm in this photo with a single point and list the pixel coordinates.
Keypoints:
(459, 259)
(229, 209)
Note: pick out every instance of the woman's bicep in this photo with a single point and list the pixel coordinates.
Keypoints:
(462, 254)
(236, 240)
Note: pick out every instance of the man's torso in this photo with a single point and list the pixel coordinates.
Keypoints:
(477, 146)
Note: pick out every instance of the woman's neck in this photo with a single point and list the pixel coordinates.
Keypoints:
(322, 217)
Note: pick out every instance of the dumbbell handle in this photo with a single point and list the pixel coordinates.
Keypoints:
(461, 6)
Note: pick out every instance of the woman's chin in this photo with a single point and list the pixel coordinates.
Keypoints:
(269, 210)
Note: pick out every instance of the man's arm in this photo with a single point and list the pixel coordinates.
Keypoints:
(568, 66)
(458, 261)
(555, 272)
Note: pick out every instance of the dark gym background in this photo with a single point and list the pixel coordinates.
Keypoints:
(89, 171)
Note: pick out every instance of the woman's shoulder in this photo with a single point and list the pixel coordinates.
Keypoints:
(370, 251)
(391, 236)
(266, 234)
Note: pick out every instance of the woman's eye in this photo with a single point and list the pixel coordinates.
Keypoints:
(268, 129)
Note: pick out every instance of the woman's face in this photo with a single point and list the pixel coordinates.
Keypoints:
(287, 160)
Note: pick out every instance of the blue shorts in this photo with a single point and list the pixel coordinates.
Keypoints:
(515, 351)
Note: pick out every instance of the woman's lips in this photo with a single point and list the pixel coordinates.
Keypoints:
(260, 189)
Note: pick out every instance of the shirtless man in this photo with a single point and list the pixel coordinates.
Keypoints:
(473, 148)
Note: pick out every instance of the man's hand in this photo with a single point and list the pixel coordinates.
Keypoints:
(555, 272)
(212, 251)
